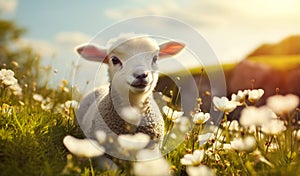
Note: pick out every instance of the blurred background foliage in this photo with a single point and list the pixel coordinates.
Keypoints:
(22, 59)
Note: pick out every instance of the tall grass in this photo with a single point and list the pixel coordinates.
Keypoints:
(33, 125)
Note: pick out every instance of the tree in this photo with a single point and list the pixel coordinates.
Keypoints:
(23, 60)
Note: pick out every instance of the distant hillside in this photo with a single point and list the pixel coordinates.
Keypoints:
(288, 46)
(272, 66)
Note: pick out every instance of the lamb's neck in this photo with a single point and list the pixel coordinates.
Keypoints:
(140, 102)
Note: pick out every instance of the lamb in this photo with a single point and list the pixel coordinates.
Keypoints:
(133, 74)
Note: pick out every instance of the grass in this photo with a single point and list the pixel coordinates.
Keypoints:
(278, 62)
(208, 69)
(31, 135)
(31, 138)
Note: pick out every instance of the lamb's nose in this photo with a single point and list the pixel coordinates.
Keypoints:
(140, 75)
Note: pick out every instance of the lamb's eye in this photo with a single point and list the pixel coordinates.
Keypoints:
(115, 60)
(154, 59)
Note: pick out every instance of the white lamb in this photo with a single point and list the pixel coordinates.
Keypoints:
(133, 76)
(126, 106)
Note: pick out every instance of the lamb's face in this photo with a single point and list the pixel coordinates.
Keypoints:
(133, 67)
(132, 61)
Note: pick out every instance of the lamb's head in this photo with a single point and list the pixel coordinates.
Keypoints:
(132, 61)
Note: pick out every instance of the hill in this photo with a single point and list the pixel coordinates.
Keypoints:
(270, 65)
(288, 46)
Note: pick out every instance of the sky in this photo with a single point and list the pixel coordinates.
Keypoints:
(231, 28)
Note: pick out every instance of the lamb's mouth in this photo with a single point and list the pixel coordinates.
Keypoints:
(140, 85)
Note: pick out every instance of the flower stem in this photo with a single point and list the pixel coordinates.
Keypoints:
(226, 128)
(195, 133)
(289, 135)
(17, 121)
(166, 137)
(91, 166)
(242, 163)
(269, 143)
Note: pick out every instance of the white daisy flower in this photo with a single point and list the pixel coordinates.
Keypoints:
(273, 127)
(201, 170)
(203, 138)
(200, 118)
(16, 88)
(240, 97)
(100, 136)
(131, 115)
(224, 105)
(151, 163)
(83, 147)
(71, 104)
(246, 144)
(255, 94)
(232, 125)
(172, 114)
(7, 77)
(136, 141)
(38, 97)
(255, 116)
(283, 104)
(193, 159)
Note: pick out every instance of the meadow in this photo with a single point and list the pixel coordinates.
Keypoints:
(264, 141)
(35, 118)
(278, 62)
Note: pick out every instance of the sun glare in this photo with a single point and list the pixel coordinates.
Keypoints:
(275, 8)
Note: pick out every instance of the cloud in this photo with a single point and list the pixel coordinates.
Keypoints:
(196, 13)
(71, 38)
(61, 44)
(233, 27)
(8, 6)
(267, 9)
(214, 13)
(42, 47)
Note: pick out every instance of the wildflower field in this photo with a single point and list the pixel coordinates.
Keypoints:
(35, 120)
(39, 134)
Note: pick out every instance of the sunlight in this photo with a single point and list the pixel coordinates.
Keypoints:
(278, 8)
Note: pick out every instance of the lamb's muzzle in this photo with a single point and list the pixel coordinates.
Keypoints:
(141, 80)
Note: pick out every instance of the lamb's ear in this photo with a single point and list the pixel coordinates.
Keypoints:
(170, 48)
(92, 52)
